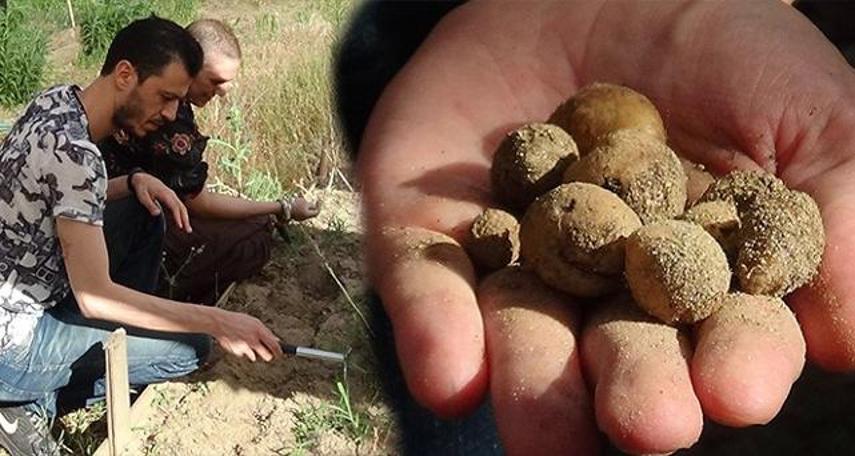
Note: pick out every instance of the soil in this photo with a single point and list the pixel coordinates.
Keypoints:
(284, 407)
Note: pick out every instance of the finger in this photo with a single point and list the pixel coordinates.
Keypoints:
(826, 308)
(149, 203)
(248, 353)
(541, 403)
(747, 356)
(643, 393)
(271, 342)
(174, 205)
(179, 211)
(262, 351)
(426, 281)
(238, 349)
(185, 216)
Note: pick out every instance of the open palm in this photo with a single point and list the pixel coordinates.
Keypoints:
(747, 84)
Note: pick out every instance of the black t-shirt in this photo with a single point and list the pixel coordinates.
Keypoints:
(173, 154)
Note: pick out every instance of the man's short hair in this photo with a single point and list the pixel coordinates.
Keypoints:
(215, 36)
(150, 45)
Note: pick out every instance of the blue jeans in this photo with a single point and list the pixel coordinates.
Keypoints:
(66, 355)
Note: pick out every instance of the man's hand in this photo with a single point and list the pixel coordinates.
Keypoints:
(244, 335)
(750, 85)
(297, 209)
(152, 193)
(303, 210)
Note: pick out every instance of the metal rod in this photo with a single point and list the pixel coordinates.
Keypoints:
(312, 353)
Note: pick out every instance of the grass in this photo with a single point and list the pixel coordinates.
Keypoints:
(22, 56)
(284, 102)
(314, 420)
(257, 184)
(100, 20)
(83, 430)
(52, 15)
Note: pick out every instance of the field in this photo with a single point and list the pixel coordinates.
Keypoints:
(275, 134)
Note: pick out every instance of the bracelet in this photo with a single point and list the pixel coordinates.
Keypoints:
(131, 173)
(286, 208)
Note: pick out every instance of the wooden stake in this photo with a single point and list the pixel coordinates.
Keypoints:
(118, 394)
(71, 15)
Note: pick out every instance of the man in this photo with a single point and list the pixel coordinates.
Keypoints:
(59, 294)
(231, 236)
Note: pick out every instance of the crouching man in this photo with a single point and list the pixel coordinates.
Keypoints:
(61, 293)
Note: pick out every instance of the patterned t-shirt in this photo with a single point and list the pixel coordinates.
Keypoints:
(49, 168)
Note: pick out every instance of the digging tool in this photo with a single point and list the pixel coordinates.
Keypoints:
(312, 353)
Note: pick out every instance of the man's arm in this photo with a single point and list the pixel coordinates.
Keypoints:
(99, 298)
(117, 188)
(215, 205)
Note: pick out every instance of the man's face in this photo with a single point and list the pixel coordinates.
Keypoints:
(218, 72)
(145, 107)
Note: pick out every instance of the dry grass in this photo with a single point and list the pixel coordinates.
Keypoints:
(284, 90)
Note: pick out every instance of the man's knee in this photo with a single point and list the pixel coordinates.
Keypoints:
(189, 350)
(155, 360)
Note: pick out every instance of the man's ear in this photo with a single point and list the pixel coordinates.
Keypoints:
(125, 75)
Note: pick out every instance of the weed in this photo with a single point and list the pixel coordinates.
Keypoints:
(22, 56)
(259, 184)
(337, 225)
(162, 397)
(171, 278)
(52, 14)
(348, 420)
(82, 431)
(288, 112)
(313, 421)
(267, 26)
(201, 387)
(100, 20)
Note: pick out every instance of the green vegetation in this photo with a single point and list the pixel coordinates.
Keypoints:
(22, 56)
(48, 15)
(82, 431)
(100, 20)
(257, 183)
(312, 421)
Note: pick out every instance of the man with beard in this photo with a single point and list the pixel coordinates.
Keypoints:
(61, 293)
(231, 236)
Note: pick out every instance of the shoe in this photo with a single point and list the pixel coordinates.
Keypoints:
(24, 433)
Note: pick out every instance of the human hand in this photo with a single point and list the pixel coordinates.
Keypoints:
(244, 335)
(753, 85)
(152, 193)
(303, 210)
(297, 209)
